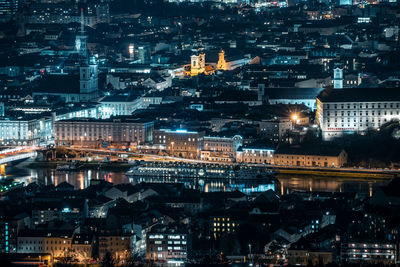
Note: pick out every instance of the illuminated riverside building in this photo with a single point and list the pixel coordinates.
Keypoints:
(355, 110)
(258, 155)
(29, 130)
(192, 144)
(120, 131)
(310, 157)
(220, 148)
(180, 143)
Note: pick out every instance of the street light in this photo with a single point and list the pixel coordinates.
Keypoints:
(250, 254)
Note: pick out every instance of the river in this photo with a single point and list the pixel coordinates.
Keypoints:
(287, 184)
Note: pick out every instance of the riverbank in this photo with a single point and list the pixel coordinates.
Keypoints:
(93, 165)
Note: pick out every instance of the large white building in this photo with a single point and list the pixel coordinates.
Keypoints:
(354, 110)
(119, 105)
(30, 130)
(120, 131)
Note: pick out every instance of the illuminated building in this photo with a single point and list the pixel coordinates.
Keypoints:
(303, 156)
(171, 248)
(64, 13)
(358, 252)
(355, 110)
(302, 257)
(57, 244)
(88, 77)
(29, 130)
(220, 148)
(275, 130)
(221, 65)
(88, 111)
(131, 50)
(180, 143)
(30, 242)
(197, 64)
(8, 234)
(102, 133)
(119, 105)
(118, 245)
(143, 54)
(221, 224)
(256, 155)
(83, 246)
(337, 78)
(8, 8)
(289, 96)
(54, 242)
(346, 2)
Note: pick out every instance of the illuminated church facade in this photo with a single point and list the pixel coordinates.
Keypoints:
(198, 64)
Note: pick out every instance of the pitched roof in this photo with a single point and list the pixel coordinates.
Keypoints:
(59, 84)
(293, 93)
(316, 150)
(360, 95)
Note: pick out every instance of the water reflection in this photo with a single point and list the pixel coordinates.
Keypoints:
(81, 179)
(215, 185)
(328, 184)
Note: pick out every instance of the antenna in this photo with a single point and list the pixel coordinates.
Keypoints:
(82, 22)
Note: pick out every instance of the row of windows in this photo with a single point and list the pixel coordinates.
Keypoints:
(363, 105)
(41, 242)
(372, 124)
(366, 113)
(355, 120)
(304, 163)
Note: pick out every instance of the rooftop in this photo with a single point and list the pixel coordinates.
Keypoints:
(360, 95)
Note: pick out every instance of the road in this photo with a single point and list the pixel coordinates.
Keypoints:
(151, 157)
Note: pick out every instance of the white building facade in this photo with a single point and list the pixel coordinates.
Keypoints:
(26, 131)
(356, 110)
(102, 133)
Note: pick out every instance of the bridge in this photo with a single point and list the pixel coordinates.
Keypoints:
(10, 155)
(16, 157)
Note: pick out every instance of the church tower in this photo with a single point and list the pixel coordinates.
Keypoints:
(221, 65)
(88, 78)
(88, 68)
(194, 65)
(202, 62)
(81, 41)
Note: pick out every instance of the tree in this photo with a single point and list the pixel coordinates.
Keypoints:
(108, 260)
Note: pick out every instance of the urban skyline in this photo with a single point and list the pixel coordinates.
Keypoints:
(199, 133)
